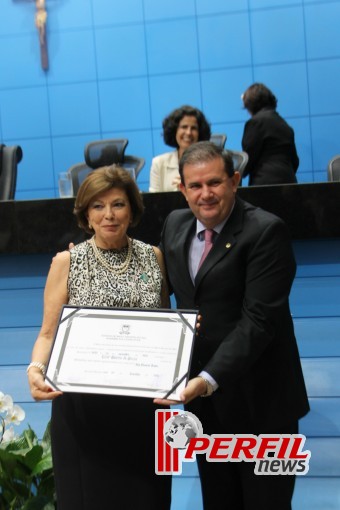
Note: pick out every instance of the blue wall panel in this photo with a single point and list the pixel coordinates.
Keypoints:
(129, 61)
(16, 344)
(325, 14)
(24, 113)
(19, 54)
(80, 65)
(317, 494)
(325, 137)
(65, 15)
(220, 6)
(155, 10)
(176, 57)
(38, 154)
(221, 51)
(323, 418)
(229, 84)
(283, 27)
(129, 11)
(318, 336)
(123, 69)
(322, 91)
(74, 109)
(21, 306)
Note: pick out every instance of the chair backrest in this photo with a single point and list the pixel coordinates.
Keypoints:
(105, 152)
(78, 173)
(10, 157)
(218, 139)
(333, 169)
(240, 159)
(133, 164)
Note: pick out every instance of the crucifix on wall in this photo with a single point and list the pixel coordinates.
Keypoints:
(40, 23)
(40, 20)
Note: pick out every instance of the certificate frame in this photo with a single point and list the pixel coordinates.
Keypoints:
(122, 351)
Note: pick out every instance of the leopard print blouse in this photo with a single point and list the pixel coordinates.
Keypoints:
(91, 284)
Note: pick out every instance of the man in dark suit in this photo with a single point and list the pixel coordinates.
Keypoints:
(245, 357)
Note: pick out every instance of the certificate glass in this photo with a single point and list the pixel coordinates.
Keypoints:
(129, 352)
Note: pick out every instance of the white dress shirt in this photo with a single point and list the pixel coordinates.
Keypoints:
(195, 253)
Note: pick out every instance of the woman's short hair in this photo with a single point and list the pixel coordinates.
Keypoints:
(258, 96)
(171, 123)
(203, 152)
(101, 180)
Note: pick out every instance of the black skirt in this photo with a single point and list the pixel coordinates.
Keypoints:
(104, 454)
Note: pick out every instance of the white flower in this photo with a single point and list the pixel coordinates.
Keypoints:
(6, 402)
(15, 415)
(10, 414)
(9, 435)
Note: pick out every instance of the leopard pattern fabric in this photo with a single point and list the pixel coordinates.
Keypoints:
(91, 284)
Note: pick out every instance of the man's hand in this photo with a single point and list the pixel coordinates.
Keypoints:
(70, 246)
(195, 388)
(198, 324)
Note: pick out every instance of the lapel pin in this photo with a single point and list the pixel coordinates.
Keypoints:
(144, 277)
(228, 245)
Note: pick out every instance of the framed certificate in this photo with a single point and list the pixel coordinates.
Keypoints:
(129, 351)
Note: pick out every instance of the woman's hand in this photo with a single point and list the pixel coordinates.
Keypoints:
(39, 389)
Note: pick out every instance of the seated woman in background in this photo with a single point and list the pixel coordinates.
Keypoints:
(103, 446)
(181, 128)
(268, 140)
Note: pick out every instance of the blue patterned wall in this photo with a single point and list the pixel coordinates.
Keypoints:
(117, 68)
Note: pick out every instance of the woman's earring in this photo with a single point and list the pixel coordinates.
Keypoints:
(90, 226)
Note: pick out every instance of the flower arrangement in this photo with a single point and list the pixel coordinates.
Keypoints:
(26, 471)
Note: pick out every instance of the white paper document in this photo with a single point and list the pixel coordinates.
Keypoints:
(122, 351)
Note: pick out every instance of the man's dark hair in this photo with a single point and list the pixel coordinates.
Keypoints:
(202, 152)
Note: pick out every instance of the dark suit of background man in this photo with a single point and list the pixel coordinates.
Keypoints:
(246, 349)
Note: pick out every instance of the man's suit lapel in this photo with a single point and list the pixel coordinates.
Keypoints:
(182, 244)
(225, 242)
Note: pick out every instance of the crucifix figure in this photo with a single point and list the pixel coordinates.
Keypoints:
(40, 23)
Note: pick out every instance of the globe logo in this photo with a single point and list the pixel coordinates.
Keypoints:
(179, 429)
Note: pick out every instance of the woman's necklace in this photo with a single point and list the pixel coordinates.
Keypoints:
(117, 270)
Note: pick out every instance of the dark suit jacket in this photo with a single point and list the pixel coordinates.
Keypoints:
(246, 341)
(270, 145)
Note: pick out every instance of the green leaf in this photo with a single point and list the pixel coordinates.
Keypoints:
(13, 466)
(26, 473)
(39, 503)
(47, 435)
(43, 465)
